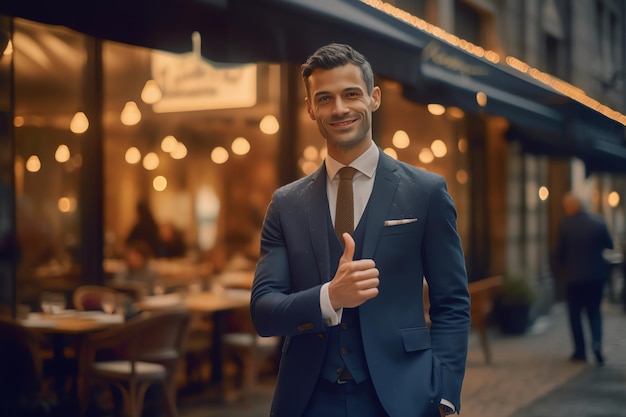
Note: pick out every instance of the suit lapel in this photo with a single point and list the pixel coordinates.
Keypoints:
(385, 185)
(317, 217)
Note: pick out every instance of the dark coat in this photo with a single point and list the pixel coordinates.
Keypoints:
(582, 239)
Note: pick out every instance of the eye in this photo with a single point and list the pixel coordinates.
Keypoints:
(323, 99)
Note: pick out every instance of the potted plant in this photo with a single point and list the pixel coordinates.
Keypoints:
(513, 301)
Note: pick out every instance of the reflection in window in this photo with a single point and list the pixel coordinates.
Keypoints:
(49, 64)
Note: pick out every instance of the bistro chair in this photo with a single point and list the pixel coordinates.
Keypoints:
(199, 340)
(252, 350)
(244, 344)
(147, 350)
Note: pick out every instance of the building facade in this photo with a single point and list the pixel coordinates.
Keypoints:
(511, 111)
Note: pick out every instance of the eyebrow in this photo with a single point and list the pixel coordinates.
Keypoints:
(345, 90)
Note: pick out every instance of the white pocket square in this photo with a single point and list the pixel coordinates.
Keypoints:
(399, 221)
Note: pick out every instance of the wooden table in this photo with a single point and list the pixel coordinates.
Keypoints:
(71, 322)
(68, 323)
(213, 303)
(203, 302)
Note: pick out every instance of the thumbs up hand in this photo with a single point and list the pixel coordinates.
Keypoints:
(355, 281)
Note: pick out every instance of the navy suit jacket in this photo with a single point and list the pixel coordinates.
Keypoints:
(411, 365)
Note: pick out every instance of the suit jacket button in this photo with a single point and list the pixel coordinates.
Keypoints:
(305, 326)
(321, 336)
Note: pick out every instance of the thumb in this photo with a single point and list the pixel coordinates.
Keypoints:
(348, 248)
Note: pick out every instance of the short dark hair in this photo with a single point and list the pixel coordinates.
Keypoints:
(336, 55)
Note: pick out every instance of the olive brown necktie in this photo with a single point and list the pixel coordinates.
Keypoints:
(344, 211)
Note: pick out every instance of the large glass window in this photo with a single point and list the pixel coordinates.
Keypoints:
(49, 64)
(199, 154)
(194, 140)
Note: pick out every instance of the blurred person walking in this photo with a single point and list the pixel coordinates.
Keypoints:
(349, 302)
(582, 239)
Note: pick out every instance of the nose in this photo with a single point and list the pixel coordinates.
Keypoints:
(340, 107)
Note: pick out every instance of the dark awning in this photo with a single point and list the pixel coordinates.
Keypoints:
(431, 70)
(600, 160)
(451, 76)
(164, 24)
(602, 141)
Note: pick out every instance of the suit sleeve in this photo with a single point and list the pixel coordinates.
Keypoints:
(276, 307)
(444, 270)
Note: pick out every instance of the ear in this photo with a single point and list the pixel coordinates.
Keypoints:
(375, 98)
(309, 108)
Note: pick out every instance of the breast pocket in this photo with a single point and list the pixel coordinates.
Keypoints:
(399, 243)
(399, 229)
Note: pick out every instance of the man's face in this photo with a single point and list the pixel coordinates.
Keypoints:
(338, 101)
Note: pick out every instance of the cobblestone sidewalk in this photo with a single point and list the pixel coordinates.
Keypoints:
(532, 371)
(530, 376)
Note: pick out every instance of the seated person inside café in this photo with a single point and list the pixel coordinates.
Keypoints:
(171, 242)
(137, 272)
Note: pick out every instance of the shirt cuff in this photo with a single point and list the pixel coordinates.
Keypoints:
(331, 316)
(450, 409)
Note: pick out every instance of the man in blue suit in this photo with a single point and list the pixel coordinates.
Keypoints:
(350, 306)
(582, 239)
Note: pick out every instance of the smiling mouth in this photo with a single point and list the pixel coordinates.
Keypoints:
(343, 123)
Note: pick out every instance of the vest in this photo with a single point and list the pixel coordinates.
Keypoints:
(345, 345)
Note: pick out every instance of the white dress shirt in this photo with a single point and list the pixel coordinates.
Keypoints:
(362, 183)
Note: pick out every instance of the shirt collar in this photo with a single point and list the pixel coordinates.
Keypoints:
(366, 163)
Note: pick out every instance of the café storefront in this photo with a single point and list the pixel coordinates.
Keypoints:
(83, 142)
